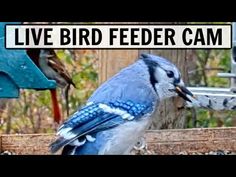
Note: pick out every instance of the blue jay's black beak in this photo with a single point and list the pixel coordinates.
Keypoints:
(183, 92)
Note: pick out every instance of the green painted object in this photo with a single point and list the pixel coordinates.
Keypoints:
(17, 71)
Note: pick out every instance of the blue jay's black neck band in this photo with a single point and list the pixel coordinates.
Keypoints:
(151, 69)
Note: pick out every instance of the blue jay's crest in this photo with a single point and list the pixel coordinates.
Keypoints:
(162, 62)
(120, 110)
(155, 61)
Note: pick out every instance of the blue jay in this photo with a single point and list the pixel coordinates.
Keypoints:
(121, 109)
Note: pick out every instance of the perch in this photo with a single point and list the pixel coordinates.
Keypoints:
(161, 142)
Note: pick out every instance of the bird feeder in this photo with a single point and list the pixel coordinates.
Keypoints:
(158, 142)
(17, 71)
(220, 98)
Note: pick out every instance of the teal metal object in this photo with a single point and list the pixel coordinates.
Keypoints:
(17, 71)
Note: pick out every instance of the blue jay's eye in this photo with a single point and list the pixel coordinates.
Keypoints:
(170, 74)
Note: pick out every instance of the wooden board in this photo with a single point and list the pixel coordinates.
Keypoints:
(29, 144)
(191, 140)
(158, 141)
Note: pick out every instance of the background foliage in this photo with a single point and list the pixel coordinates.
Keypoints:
(32, 112)
(208, 64)
(203, 72)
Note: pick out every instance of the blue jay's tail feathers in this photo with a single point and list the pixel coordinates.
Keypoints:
(68, 150)
(55, 146)
(94, 118)
(74, 134)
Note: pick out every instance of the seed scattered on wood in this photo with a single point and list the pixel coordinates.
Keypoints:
(218, 152)
(225, 102)
(6, 153)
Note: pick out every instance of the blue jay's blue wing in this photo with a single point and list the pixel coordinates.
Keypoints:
(125, 97)
(136, 87)
(94, 118)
